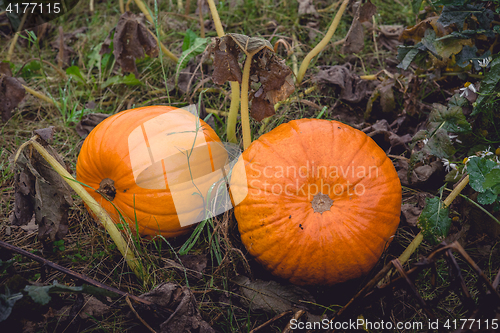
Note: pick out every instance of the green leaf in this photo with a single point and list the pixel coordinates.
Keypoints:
(485, 18)
(406, 55)
(74, 72)
(198, 47)
(487, 197)
(488, 86)
(466, 55)
(439, 144)
(451, 119)
(189, 40)
(429, 41)
(434, 221)
(7, 302)
(457, 15)
(478, 168)
(94, 57)
(457, 100)
(32, 68)
(450, 2)
(415, 6)
(40, 294)
(129, 80)
(492, 181)
(107, 59)
(467, 34)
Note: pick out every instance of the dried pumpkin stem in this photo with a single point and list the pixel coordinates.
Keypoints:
(164, 49)
(235, 86)
(144, 9)
(216, 18)
(41, 96)
(321, 45)
(245, 118)
(456, 191)
(16, 37)
(233, 112)
(101, 214)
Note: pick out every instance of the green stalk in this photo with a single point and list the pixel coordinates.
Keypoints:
(233, 112)
(235, 86)
(245, 119)
(215, 16)
(321, 45)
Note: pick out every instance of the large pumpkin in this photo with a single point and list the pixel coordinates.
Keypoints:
(323, 201)
(136, 165)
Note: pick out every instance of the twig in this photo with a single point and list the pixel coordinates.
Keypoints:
(122, 6)
(296, 316)
(127, 298)
(271, 321)
(457, 247)
(410, 283)
(73, 274)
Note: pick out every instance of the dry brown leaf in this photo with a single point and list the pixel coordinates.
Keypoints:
(270, 296)
(251, 45)
(11, 94)
(5, 69)
(288, 87)
(273, 75)
(226, 67)
(88, 122)
(131, 41)
(46, 134)
(411, 214)
(307, 7)
(65, 52)
(388, 36)
(50, 198)
(261, 108)
(192, 264)
(186, 317)
(355, 39)
(417, 32)
(353, 89)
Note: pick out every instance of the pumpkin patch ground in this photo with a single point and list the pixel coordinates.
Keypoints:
(346, 178)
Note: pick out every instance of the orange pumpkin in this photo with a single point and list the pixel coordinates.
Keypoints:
(136, 164)
(323, 201)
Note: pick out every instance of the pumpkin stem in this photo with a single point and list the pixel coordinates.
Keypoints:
(107, 188)
(321, 203)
